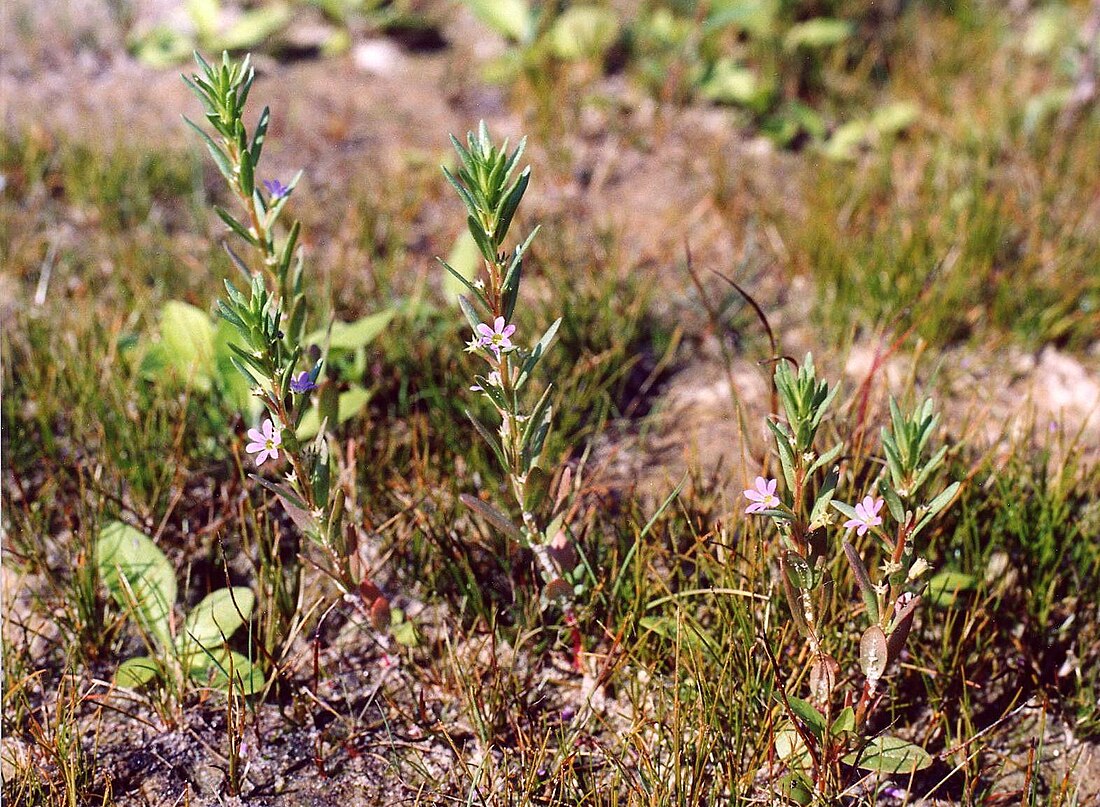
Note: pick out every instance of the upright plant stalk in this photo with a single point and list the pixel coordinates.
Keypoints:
(491, 196)
(824, 734)
(270, 321)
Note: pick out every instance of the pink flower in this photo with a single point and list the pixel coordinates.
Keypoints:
(265, 442)
(762, 495)
(497, 337)
(866, 515)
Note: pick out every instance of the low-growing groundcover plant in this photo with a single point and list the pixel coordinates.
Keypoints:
(828, 733)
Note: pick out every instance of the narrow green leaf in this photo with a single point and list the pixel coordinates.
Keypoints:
(510, 204)
(492, 515)
(221, 160)
(537, 352)
(489, 438)
(474, 290)
(808, 714)
(236, 226)
(863, 580)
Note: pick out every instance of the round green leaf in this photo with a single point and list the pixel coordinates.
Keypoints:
(945, 587)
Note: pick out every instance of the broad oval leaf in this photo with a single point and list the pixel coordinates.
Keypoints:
(135, 673)
(873, 652)
(138, 575)
(217, 617)
(945, 587)
(511, 18)
(584, 32)
(187, 334)
(221, 667)
(350, 404)
(820, 32)
(354, 335)
(233, 384)
(890, 755)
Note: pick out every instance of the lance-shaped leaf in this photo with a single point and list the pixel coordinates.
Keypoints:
(470, 287)
(936, 506)
(899, 630)
(220, 158)
(469, 312)
(489, 438)
(260, 135)
(471, 206)
(893, 502)
(292, 503)
(537, 352)
(824, 497)
(510, 287)
(248, 181)
(863, 580)
(482, 239)
(826, 458)
(808, 714)
(236, 226)
(492, 515)
(786, 455)
(536, 429)
(510, 204)
(794, 601)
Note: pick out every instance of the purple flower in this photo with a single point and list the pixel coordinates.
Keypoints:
(496, 338)
(762, 495)
(265, 442)
(302, 383)
(866, 515)
(275, 189)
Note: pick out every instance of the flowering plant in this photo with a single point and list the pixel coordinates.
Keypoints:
(491, 197)
(273, 351)
(827, 734)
